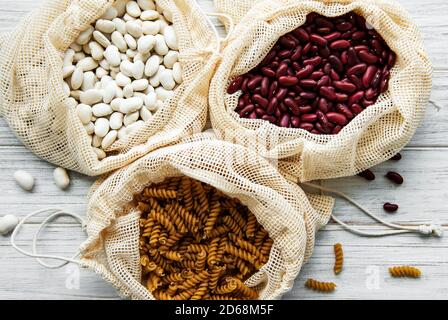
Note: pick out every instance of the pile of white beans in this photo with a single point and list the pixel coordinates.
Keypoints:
(121, 69)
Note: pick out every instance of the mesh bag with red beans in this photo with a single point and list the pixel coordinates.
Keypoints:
(329, 88)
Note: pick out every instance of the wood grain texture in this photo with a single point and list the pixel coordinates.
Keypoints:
(422, 198)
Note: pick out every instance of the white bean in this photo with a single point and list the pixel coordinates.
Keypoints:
(61, 178)
(128, 91)
(146, 44)
(8, 223)
(170, 59)
(90, 128)
(171, 38)
(140, 85)
(24, 179)
(77, 78)
(109, 92)
(89, 80)
(118, 40)
(145, 114)
(160, 46)
(166, 79)
(116, 120)
(96, 50)
(99, 153)
(133, 9)
(101, 127)
(131, 118)
(149, 15)
(109, 139)
(131, 42)
(85, 36)
(152, 65)
(110, 14)
(122, 80)
(134, 126)
(112, 55)
(115, 104)
(177, 72)
(67, 71)
(87, 64)
(131, 105)
(101, 110)
(84, 113)
(101, 39)
(120, 25)
(127, 68)
(146, 4)
(122, 133)
(105, 26)
(151, 27)
(138, 70)
(134, 29)
(90, 97)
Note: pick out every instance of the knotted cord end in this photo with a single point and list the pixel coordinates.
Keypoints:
(431, 230)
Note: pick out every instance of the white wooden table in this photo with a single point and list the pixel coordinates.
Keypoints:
(423, 197)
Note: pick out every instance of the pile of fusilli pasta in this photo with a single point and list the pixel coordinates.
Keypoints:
(196, 243)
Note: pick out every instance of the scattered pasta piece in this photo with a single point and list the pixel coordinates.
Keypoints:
(405, 271)
(320, 286)
(339, 258)
(196, 243)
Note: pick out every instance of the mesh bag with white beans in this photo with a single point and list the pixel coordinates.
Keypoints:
(291, 217)
(34, 97)
(373, 136)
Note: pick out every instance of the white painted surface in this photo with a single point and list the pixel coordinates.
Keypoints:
(423, 197)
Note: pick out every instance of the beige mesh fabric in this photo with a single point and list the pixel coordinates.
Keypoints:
(371, 138)
(33, 102)
(236, 9)
(112, 247)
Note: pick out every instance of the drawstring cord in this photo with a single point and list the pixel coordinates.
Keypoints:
(429, 230)
(223, 16)
(53, 214)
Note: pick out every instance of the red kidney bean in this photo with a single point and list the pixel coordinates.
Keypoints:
(235, 85)
(356, 81)
(367, 174)
(309, 117)
(371, 93)
(284, 121)
(324, 81)
(260, 100)
(254, 82)
(354, 98)
(295, 121)
(312, 61)
(327, 71)
(287, 42)
(343, 109)
(272, 106)
(264, 87)
(260, 112)
(268, 59)
(269, 118)
(316, 75)
(337, 118)
(336, 63)
(301, 34)
(305, 109)
(308, 83)
(306, 126)
(319, 40)
(344, 86)
(390, 207)
(368, 75)
(284, 54)
(394, 177)
(396, 157)
(357, 69)
(366, 56)
(296, 53)
(247, 109)
(268, 72)
(332, 36)
(288, 81)
(339, 44)
(359, 35)
(356, 109)
(281, 93)
(282, 70)
(328, 93)
(305, 72)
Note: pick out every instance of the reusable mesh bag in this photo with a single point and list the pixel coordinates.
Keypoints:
(372, 137)
(33, 102)
(112, 247)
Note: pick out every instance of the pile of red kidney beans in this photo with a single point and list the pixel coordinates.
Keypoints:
(318, 77)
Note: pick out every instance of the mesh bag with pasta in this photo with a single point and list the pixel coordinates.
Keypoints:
(33, 102)
(290, 216)
(372, 137)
